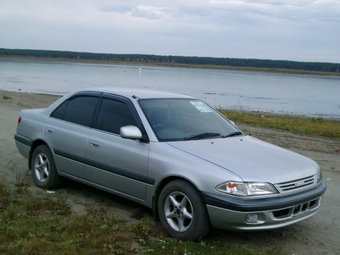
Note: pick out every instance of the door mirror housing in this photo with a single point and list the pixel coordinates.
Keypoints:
(130, 132)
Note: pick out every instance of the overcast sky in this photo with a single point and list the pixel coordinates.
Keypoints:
(301, 30)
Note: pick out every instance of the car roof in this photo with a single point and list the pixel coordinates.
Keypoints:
(135, 92)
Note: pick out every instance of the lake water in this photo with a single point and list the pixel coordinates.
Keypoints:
(237, 90)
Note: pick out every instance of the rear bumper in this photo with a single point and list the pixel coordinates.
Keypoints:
(23, 144)
(265, 213)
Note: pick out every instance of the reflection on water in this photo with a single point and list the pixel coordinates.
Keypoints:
(240, 90)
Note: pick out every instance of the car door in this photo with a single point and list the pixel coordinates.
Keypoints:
(114, 163)
(67, 133)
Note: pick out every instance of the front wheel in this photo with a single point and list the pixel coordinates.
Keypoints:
(43, 168)
(182, 211)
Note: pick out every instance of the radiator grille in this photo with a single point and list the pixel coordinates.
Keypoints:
(296, 184)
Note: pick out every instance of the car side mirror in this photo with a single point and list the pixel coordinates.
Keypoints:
(130, 132)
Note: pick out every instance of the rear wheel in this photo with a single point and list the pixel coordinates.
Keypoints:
(182, 211)
(43, 168)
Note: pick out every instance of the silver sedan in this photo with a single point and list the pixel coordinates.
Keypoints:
(172, 153)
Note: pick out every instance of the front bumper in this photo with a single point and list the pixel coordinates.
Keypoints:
(265, 213)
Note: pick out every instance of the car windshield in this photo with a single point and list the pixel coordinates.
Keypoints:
(185, 119)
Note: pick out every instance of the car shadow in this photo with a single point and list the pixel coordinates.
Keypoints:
(81, 197)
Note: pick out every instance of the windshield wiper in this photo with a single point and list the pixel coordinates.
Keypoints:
(232, 134)
(202, 135)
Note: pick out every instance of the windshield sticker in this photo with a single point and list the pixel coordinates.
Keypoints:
(202, 107)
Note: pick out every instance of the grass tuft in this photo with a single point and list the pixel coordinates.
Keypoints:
(6, 97)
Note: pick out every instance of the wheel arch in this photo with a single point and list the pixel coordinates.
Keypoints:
(160, 187)
(34, 145)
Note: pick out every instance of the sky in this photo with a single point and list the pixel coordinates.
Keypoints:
(299, 30)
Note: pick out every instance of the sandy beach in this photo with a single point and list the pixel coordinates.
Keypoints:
(318, 235)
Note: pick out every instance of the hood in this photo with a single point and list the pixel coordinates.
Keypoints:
(251, 159)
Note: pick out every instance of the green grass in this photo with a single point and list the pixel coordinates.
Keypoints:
(170, 246)
(297, 124)
(6, 97)
(44, 224)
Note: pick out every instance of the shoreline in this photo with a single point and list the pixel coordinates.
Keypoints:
(138, 64)
(7, 95)
(262, 114)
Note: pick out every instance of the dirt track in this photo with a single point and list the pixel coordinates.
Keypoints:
(318, 235)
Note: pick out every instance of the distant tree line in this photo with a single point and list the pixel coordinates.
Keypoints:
(179, 60)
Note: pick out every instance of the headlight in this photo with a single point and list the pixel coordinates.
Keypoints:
(246, 188)
(319, 175)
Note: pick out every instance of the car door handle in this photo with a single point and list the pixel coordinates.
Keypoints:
(93, 144)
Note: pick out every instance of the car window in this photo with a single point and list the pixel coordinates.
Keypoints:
(185, 119)
(60, 111)
(79, 110)
(112, 115)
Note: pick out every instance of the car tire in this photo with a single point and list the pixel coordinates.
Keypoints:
(182, 212)
(43, 168)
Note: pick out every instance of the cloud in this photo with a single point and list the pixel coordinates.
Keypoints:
(280, 29)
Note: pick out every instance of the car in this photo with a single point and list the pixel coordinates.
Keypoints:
(173, 153)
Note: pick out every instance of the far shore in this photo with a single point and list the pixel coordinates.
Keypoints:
(141, 64)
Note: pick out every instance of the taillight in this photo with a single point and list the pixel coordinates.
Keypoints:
(19, 119)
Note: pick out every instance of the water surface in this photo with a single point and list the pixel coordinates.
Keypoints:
(310, 95)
